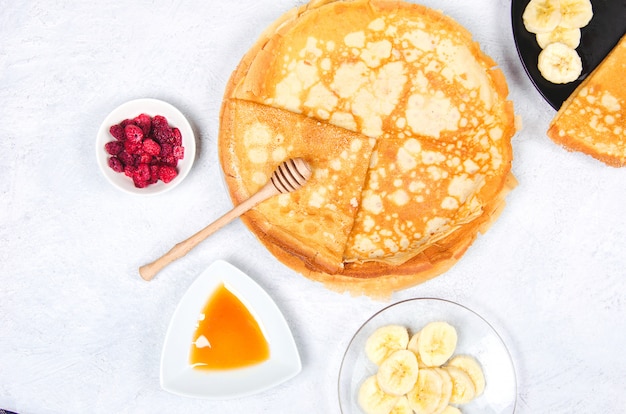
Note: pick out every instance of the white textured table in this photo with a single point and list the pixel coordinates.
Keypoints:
(81, 332)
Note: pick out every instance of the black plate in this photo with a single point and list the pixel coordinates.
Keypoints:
(597, 39)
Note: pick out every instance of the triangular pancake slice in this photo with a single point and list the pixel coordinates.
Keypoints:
(406, 177)
(593, 119)
(312, 223)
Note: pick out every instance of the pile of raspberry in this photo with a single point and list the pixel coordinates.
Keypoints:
(145, 149)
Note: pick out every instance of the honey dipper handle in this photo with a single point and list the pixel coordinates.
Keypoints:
(150, 270)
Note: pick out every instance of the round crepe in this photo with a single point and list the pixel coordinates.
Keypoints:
(403, 118)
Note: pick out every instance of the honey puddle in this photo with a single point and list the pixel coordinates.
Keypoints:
(227, 335)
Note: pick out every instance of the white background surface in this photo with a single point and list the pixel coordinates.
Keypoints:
(81, 332)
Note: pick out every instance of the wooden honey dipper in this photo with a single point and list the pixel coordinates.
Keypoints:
(288, 176)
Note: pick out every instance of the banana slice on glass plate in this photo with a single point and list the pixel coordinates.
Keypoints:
(463, 389)
(413, 346)
(425, 397)
(451, 409)
(373, 400)
(446, 389)
(472, 368)
(402, 407)
(436, 343)
(385, 341)
(397, 374)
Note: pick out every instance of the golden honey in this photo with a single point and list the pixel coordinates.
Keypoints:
(227, 335)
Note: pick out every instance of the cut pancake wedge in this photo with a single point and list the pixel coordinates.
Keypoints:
(312, 223)
(593, 119)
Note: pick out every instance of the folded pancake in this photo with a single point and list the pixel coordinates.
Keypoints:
(593, 119)
(412, 79)
(312, 223)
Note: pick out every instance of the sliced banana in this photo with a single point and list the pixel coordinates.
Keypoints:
(425, 396)
(541, 16)
(575, 13)
(446, 390)
(463, 389)
(373, 400)
(412, 346)
(436, 343)
(402, 407)
(472, 368)
(384, 341)
(569, 37)
(411, 377)
(451, 409)
(397, 374)
(559, 63)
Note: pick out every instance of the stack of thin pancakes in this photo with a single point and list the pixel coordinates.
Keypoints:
(405, 124)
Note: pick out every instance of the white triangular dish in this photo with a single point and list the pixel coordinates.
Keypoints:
(179, 377)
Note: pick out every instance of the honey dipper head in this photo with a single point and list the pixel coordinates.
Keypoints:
(291, 175)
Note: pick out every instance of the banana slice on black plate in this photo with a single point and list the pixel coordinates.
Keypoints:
(559, 63)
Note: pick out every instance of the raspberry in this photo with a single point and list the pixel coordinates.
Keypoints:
(161, 130)
(139, 183)
(177, 137)
(132, 147)
(154, 173)
(167, 150)
(127, 122)
(159, 122)
(151, 147)
(167, 173)
(141, 176)
(133, 133)
(116, 165)
(179, 152)
(126, 158)
(117, 131)
(145, 158)
(170, 160)
(144, 122)
(143, 172)
(114, 147)
(129, 170)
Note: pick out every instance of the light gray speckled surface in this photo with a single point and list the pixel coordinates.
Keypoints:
(81, 332)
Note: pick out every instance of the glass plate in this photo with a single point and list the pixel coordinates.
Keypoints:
(602, 33)
(476, 337)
